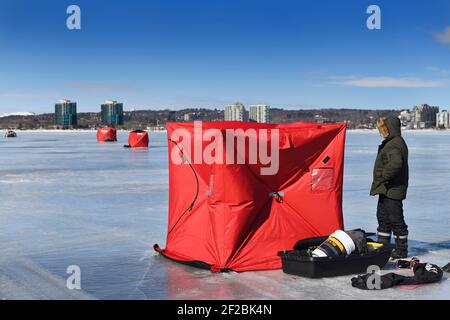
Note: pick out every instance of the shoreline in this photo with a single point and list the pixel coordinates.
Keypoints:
(72, 130)
(431, 130)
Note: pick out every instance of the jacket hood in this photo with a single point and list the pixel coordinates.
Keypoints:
(389, 127)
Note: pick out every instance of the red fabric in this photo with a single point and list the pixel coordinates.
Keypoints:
(235, 223)
(138, 139)
(106, 134)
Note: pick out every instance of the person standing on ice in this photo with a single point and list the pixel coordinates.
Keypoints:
(390, 182)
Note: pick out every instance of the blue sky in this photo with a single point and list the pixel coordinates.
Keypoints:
(206, 53)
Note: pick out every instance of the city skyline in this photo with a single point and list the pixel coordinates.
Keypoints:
(421, 116)
(247, 108)
(203, 54)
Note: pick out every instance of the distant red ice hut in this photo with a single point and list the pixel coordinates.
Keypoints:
(137, 139)
(106, 134)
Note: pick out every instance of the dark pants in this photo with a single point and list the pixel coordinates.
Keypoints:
(390, 217)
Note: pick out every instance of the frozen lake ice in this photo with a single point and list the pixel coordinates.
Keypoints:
(67, 200)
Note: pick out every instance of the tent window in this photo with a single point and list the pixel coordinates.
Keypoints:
(322, 179)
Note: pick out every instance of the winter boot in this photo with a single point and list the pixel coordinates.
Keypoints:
(401, 248)
(384, 239)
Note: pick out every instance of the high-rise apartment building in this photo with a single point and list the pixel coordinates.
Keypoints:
(423, 116)
(66, 113)
(443, 120)
(235, 112)
(260, 113)
(112, 113)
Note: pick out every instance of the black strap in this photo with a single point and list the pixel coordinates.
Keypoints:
(197, 186)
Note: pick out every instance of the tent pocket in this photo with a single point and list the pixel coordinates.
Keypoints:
(322, 179)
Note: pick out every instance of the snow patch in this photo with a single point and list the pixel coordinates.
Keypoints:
(3, 115)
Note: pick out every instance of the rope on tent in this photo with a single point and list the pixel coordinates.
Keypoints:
(189, 209)
(278, 195)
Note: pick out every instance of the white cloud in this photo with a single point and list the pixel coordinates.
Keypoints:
(443, 36)
(389, 82)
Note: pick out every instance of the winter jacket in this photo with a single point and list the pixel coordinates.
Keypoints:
(390, 172)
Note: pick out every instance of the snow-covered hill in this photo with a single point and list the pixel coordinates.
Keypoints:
(2, 115)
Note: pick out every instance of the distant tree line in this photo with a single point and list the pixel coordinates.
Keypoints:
(355, 118)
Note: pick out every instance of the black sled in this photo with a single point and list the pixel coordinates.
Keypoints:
(297, 262)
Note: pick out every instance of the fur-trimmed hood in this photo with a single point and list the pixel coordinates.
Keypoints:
(389, 127)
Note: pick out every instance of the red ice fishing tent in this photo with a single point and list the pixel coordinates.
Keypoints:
(106, 134)
(237, 212)
(137, 139)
